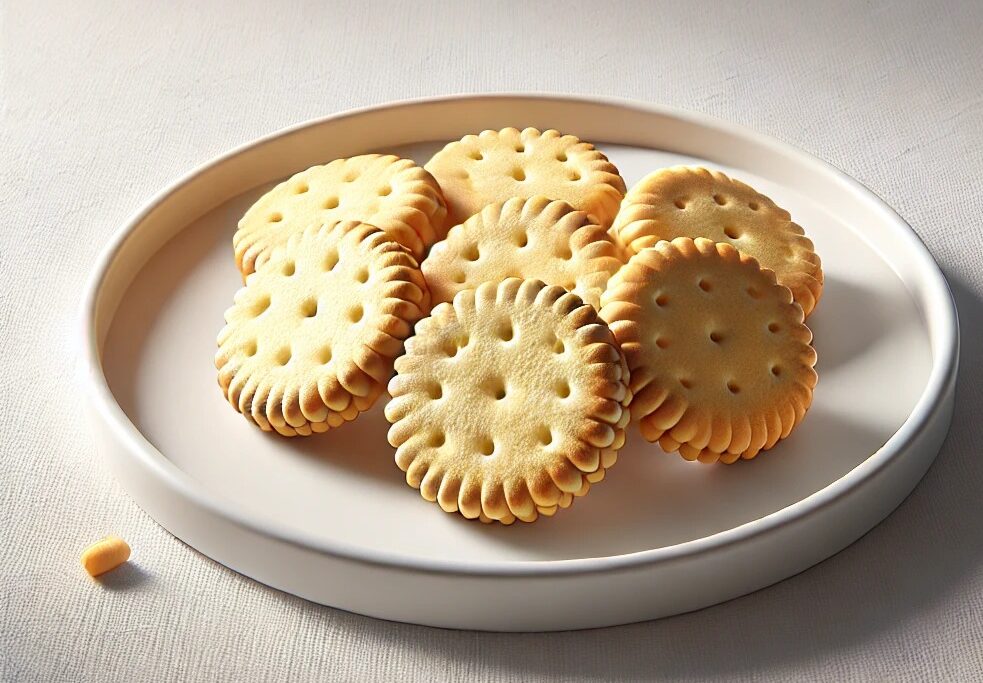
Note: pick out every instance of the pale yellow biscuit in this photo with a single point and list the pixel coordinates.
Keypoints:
(496, 165)
(509, 402)
(721, 363)
(534, 238)
(689, 201)
(393, 194)
(311, 339)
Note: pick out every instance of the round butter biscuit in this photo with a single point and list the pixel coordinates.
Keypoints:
(509, 402)
(721, 362)
(534, 238)
(689, 201)
(311, 338)
(494, 166)
(393, 194)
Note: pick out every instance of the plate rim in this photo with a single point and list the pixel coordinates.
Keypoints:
(930, 403)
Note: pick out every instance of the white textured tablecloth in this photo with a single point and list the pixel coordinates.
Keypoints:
(102, 104)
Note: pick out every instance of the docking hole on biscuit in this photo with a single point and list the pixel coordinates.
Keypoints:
(283, 355)
(496, 387)
(704, 284)
(776, 370)
(544, 435)
(773, 328)
(324, 355)
(731, 232)
(477, 156)
(753, 206)
(330, 260)
(458, 278)
(685, 383)
(331, 203)
(435, 391)
(250, 348)
(521, 240)
(574, 176)
(719, 199)
(562, 156)
(558, 346)
(362, 275)
(309, 308)
(505, 332)
(716, 337)
(661, 300)
(355, 313)
(733, 388)
(472, 253)
(663, 343)
(563, 388)
(519, 174)
(486, 446)
(385, 190)
(289, 268)
(276, 217)
(520, 148)
(302, 188)
(437, 439)
(679, 204)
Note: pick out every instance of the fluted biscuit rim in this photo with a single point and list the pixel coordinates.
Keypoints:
(598, 186)
(457, 477)
(321, 400)
(642, 221)
(664, 411)
(555, 235)
(416, 221)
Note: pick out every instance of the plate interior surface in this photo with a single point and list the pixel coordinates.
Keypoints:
(343, 486)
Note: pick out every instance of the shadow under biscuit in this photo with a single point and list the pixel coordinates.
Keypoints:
(861, 319)
(127, 576)
(653, 499)
(359, 446)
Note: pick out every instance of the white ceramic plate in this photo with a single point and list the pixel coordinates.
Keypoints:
(329, 517)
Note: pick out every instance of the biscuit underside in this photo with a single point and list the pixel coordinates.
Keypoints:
(535, 238)
(397, 196)
(496, 165)
(509, 402)
(720, 360)
(685, 201)
(310, 340)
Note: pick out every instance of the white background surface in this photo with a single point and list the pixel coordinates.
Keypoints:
(103, 104)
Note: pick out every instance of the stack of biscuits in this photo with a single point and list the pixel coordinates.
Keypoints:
(520, 306)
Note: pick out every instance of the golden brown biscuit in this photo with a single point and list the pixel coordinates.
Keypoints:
(495, 166)
(534, 238)
(311, 339)
(509, 402)
(721, 363)
(689, 201)
(393, 194)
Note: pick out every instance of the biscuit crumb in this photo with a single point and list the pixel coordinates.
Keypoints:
(105, 555)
